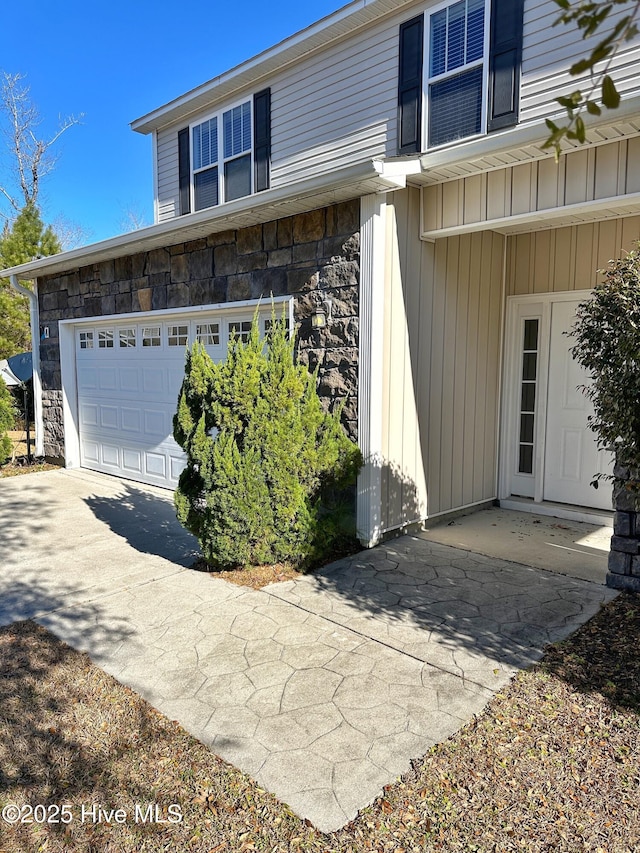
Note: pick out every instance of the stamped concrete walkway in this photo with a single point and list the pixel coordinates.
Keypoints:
(324, 688)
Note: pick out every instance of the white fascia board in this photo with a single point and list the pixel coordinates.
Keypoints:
(316, 36)
(362, 178)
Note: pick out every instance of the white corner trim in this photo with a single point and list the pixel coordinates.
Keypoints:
(370, 367)
(156, 199)
(69, 384)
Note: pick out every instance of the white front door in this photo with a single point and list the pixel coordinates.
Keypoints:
(572, 457)
(550, 452)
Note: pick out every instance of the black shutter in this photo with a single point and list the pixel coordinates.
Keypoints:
(505, 56)
(410, 86)
(184, 171)
(262, 139)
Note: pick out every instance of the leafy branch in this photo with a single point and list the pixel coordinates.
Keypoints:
(589, 16)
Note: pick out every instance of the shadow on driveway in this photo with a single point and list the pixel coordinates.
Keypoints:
(148, 522)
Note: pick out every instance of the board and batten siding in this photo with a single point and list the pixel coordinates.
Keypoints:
(548, 52)
(586, 175)
(567, 258)
(442, 363)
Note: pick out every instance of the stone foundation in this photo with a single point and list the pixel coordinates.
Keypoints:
(624, 557)
(313, 256)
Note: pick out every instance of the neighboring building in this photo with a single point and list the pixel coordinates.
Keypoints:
(383, 165)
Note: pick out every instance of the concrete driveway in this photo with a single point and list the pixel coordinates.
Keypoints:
(323, 688)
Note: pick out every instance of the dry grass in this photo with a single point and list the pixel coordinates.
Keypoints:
(255, 577)
(21, 466)
(18, 463)
(551, 765)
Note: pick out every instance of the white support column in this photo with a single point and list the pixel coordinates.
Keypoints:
(370, 367)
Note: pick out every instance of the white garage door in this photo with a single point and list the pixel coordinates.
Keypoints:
(128, 378)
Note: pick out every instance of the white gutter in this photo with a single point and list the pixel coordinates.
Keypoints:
(32, 296)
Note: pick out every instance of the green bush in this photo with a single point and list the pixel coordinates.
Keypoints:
(607, 344)
(267, 468)
(7, 419)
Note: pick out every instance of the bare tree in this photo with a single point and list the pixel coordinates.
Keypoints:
(32, 157)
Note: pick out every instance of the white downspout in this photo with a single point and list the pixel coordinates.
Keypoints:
(32, 296)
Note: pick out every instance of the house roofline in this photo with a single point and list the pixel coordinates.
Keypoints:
(299, 197)
(531, 136)
(343, 22)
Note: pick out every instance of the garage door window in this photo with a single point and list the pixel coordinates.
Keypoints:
(241, 329)
(178, 336)
(105, 339)
(208, 334)
(151, 336)
(127, 338)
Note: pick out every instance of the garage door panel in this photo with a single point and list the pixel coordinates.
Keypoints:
(88, 414)
(153, 381)
(156, 423)
(132, 460)
(90, 451)
(87, 378)
(128, 390)
(110, 455)
(155, 464)
(131, 419)
(107, 379)
(109, 417)
(129, 379)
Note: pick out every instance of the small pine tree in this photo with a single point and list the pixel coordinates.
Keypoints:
(264, 460)
(27, 238)
(7, 419)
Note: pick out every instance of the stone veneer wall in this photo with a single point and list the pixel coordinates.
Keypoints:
(624, 556)
(308, 255)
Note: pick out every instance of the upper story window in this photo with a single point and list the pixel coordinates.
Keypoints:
(221, 153)
(226, 156)
(459, 72)
(456, 72)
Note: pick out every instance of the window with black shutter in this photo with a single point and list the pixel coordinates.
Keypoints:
(227, 155)
(469, 90)
(410, 85)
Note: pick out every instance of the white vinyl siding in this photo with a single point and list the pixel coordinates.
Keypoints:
(340, 108)
(335, 109)
(549, 51)
(168, 202)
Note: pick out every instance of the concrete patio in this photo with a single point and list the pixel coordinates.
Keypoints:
(323, 688)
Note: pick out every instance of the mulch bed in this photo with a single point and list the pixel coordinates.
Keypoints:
(553, 764)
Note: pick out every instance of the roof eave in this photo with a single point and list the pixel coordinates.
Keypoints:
(317, 36)
(298, 197)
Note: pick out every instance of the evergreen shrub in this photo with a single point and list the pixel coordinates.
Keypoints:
(267, 468)
(606, 338)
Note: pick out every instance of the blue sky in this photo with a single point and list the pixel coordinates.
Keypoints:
(114, 62)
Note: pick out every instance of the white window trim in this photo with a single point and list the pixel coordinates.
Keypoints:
(426, 79)
(221, 160)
